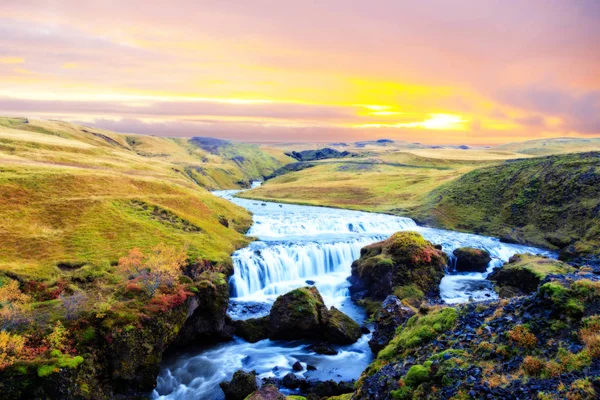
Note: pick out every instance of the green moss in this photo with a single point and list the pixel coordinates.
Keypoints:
(404, 393)
(410, 294)
(416, 375)
(419, 330)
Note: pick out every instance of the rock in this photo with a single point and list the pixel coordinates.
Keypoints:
(341, 328)
(291, 381)
(405, 258)
(323, 348)
(391, 315)
(311, 368)
(299, 314)
(469, 259)
(241, 385)
(207, 314)
(253, 329)
(267, 392)
(524, 272)
(297, 366)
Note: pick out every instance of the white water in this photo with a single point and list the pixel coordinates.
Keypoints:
(300, 246)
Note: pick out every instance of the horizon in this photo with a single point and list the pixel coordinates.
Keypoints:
(479, 74)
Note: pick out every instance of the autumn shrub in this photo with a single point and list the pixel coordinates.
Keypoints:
(533, 366)
(590, 335)
(11, 347)
(57, 339)
(522, 337)
(162, 266)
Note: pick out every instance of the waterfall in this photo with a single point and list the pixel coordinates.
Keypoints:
(265, 269)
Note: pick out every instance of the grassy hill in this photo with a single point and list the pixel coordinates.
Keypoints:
(543, 147)
(550, 201)
(388, 181)
(71, 194)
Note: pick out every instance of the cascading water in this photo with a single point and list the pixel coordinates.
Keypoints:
(299, 246)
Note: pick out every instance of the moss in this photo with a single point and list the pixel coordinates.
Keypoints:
(58, 361)
(404, 393)
(582, 389)
(416, 375)
(419, 330)
(410, 294)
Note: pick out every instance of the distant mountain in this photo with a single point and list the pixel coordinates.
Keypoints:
(321, 154)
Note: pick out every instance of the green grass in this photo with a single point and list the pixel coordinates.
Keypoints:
(394, 183)
(79, 195)
(550, 201)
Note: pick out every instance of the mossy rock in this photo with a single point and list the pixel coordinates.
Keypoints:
(241, 385)
(524, 272)
(301, 314)
(405, 258)
(253, 329)
(298, 314)
(341, 328)
(469, 259)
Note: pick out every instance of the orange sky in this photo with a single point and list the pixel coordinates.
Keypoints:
(447, 72)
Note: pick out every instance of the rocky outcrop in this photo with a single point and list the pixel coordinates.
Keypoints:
(124, 361)
(523, 273)
(469, 259)
(405, 258)
(391, 315)
(301, 314)
(544, 345)
(207, 313)
(241, 385)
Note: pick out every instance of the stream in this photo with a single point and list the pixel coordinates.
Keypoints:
(301, 246)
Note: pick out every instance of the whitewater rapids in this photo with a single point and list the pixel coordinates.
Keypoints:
(300, 246)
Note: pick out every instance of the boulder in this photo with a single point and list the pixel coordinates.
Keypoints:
(391, 315)
(469, 259)
(241, 385)
(341, 328)
(523, 273)
(301, 314)
(298, 314)
(291, 381)
(253, 329)
(297, 366)
(403, 259)
(266, 392)
(323, 348)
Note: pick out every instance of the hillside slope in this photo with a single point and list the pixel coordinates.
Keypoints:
(551, 201)
(75, 195)
(543, 147)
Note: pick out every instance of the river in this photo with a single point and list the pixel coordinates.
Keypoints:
(301, 246)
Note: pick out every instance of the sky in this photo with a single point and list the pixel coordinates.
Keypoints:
(438, 71)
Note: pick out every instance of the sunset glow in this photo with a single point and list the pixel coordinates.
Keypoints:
(479, 72)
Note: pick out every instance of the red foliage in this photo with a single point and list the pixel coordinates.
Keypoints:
(424, 256)
(163, 302)
(41, 292)
(133, 288)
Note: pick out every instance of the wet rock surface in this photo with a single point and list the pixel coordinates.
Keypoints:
(240, 386)
(469, 259)
(301, 314)
(391, 315)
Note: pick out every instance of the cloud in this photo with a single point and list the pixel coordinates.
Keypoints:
(577, 112)
(314, 60)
